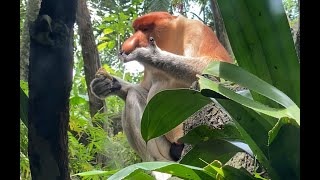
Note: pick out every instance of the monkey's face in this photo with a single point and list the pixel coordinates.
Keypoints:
(154, 25)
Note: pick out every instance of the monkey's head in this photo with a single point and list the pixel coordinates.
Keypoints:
(155, 24)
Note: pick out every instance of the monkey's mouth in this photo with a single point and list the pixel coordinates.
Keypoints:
(121, 53)
(124, 57)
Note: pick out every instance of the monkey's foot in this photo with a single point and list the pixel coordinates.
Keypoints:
(176, 150)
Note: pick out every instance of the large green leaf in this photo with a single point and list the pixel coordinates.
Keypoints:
(284, 149)
(218, 171)
(292, 111)
(260, 131)
(139, 174)
(168, 109)
(209, 151)
(203, 133)
(182, 171)
(254, 129)
(95, 172)
(236, 174)
(261, 41)
(214, 168)
(179, 170)
(242, 77)
(24, 107)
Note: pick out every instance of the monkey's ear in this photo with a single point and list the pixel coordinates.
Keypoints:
(152, 42)
(151, 39)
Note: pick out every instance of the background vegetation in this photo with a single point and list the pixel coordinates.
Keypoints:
(111, 22)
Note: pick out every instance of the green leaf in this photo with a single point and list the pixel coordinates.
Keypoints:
(111, 44)
(169, 108)
(138, 175)
(76, 100)
(110, 18)
(203, 133)
(179, 170)
(108, 69)
(274, 131)
(107, 31)
(242, 77)
(227, 172)
(261, 41)
(183, 171)
(277, 113)
(95, 172)
(284, 149)
(102, 46)
(24, 87)
(24, 100)
(104, 38)
(209, 151)
(123, 17)
(213, 168)
(232, 173)
(254, 129)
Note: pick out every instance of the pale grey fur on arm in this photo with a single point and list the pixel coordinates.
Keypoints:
(179, 67)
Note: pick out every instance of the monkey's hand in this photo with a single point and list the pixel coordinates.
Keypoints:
(104, 84)
(142, 53)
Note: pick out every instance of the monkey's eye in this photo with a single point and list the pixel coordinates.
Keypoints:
(144, 29)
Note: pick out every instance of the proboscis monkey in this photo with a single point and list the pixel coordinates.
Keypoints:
(186, 48)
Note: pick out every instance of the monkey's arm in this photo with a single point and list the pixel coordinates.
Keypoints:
(135, 97)
(179, 67)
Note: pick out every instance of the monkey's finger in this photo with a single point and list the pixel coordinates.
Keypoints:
(97, 80)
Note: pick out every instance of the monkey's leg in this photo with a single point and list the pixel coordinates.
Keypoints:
(156, 149)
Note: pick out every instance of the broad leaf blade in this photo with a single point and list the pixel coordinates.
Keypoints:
(254, 130)
(168, 109)
(203, 133)
(213, 168)
(242, 77)
(232, 173)
(139, 174)
(24, 107)
(209, 151)
(284, 149)
(261, 41)
(277, 113)
(227, 172)
(184, 171)
(176, 169)
(95, 172)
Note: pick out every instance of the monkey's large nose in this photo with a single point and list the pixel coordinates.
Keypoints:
(130, 44)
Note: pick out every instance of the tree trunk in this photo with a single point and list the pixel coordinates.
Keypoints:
(50, 82)
(89, 53)
(32, 11)
(91, 62)
(219, 27)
